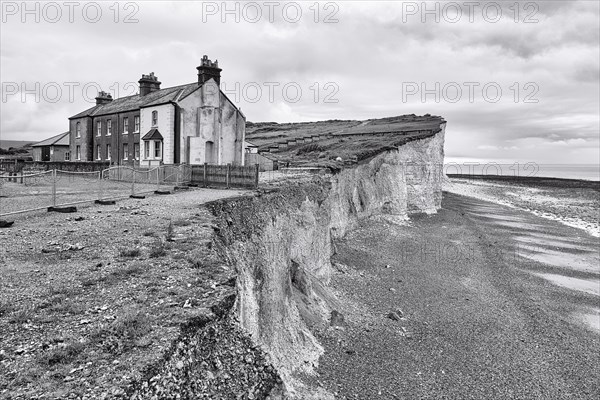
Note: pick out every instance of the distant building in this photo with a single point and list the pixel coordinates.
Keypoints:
(250, 147)
(56, 148)
(188, 124)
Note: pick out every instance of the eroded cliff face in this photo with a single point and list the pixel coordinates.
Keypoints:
(281, 243)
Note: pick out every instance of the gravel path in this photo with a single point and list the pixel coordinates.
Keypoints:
(476, 316)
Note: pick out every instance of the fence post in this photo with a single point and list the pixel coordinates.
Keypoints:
(54, 188)
(21, 177)
(204, 175)
(158, 178)
(133, 181)
(228, 176)
(256, 172)
(100, 194)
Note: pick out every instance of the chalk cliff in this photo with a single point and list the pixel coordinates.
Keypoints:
(281, 243)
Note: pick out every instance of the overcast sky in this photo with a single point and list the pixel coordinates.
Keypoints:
(350, 60)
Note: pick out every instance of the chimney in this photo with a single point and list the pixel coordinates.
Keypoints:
(207, 70)
(103, 98)
(148, 84)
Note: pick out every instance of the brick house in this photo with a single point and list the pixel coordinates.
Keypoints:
(55, 148)
(187, 124)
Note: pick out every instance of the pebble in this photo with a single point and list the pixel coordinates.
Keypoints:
(393, 316)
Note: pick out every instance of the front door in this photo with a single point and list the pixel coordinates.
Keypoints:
(209, 152)
(46, 153)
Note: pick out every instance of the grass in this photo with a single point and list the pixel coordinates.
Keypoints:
(61, 289)
(5, 309)
(170, 232)
(123, 273)
(63, 354)
(68, 307)
(312, 147)
(115, 276)
(158, 250)
(51, 301)
(130, 253)
(122, 334)
(182, 222)
(87, 282)
(21, 316)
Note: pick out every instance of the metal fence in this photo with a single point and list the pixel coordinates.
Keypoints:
(57, 188)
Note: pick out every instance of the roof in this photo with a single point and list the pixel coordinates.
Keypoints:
(153, 134)
(58, 140)
(135, 102)
(250, 144)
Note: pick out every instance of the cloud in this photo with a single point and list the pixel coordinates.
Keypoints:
(355, 68)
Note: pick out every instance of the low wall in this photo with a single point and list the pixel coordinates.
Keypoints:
(71, 166)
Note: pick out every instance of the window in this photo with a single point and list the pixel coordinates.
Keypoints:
(78, 152)
(136, 150)
(125, 125)
(108, 151)
(146, 149)
(78, 130)
(99, 128)
(109, 127)
(125, 151)
(98, 154)
(67, 156)
(136, 123)
(154, 118)
(157, 149)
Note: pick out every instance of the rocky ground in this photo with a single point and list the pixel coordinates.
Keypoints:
(571, 202)
(90, 300)
(449, 308)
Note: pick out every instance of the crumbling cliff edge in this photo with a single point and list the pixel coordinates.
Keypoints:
(280, 242)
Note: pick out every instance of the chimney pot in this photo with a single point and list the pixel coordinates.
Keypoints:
(148, 84)
(207, 70)
(103, 98)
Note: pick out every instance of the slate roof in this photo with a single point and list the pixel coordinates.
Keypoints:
(58, 140)
(132, 103)
(153, 134)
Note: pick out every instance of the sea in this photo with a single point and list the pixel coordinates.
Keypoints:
(589, 172)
